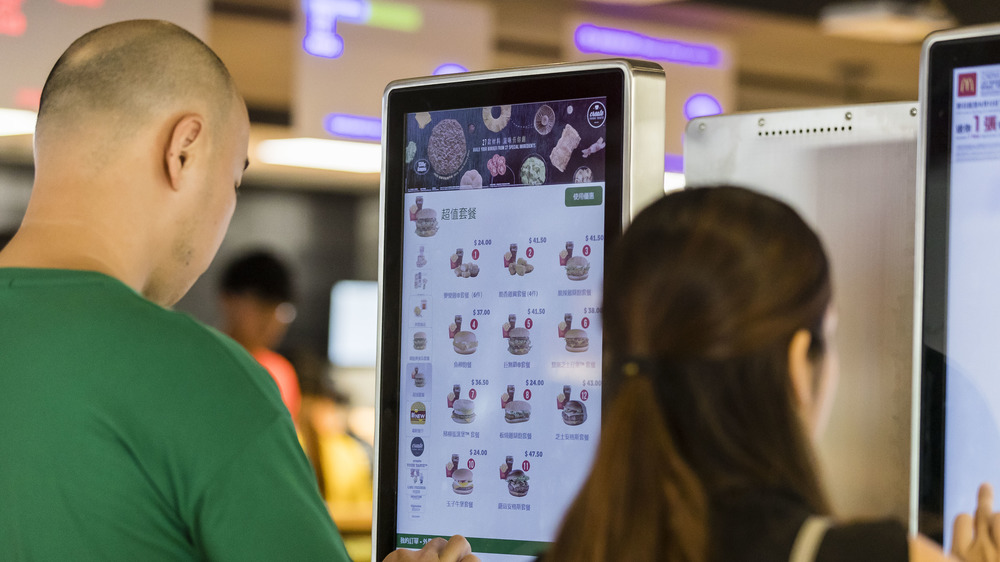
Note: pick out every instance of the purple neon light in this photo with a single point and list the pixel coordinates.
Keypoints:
(354, 126)
(701, 105)
(449, 68)
(673, 163)
(590, 38)
(321, 38)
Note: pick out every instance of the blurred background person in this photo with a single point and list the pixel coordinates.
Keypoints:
(342, 460)
(256, 298)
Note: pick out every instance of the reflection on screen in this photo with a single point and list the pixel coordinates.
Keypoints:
(972, 434)
(503, 257)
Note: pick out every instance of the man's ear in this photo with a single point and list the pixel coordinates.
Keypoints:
(800, 369)
(183, 140)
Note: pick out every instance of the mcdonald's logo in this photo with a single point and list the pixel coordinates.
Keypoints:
(967, 84)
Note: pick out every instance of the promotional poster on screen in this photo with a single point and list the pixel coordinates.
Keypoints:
(972, 434)
(503, 260)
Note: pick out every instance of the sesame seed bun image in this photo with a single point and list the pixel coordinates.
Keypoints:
(517, 483)
(517, 411)
(461, 481)
(463, 410)
(420, 340)
(465, 343)
(574, 413)
(577, 268)
(427, 224)
(519, 341)
(577, 340)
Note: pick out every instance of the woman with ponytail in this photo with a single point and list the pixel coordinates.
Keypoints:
(721, 366)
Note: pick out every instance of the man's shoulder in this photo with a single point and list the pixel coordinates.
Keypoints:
(91, 315)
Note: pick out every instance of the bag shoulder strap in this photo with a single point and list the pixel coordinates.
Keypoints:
(809, 538)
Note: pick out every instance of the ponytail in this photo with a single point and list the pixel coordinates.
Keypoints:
(642, 501)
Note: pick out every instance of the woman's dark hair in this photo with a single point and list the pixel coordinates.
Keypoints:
(702, 297)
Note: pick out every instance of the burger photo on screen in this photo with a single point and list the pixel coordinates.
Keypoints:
(577, 268)
(517, 411)
(517, 483)
(420, 340)
(461, 481)
(463, 410)
(465, 342)
(574, 413)
(519, 341)
(427, 224)
(577, 340)
(419, 379)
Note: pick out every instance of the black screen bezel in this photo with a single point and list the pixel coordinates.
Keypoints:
(609, 83)
(943, 58)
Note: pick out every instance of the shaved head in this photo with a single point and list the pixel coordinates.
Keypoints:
(140, 145)
(124, 74)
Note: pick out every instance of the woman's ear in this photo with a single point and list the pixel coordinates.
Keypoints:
(801, 370)
(183, 140)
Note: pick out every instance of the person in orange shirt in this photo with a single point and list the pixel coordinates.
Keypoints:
(256, 294)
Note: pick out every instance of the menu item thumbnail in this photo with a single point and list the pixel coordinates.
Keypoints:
(563, 397)
(566, 325)
(464, 411)
(497, 165)
(471, 179)
(598, 145)
(517, 483)
(508, 325)
(517, 411)
(418, 413)
(420, 340)
(498, 123)
(577, 340)
(577, 268)
(446, 148)
(465, 343)
(451, 466)
(564, 255)
(466, 270)
(563, 149)
(533, 171)
(506, 397)
(462, 481)
(574, 412)
(520, 267)
(419, 378)
(519, 341)
(427, 223)
(545, 120)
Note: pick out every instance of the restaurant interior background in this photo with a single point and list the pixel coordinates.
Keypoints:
(316, 69)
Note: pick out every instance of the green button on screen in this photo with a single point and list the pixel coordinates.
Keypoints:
(584, 196)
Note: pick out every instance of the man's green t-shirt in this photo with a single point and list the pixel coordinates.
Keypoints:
(131, 432)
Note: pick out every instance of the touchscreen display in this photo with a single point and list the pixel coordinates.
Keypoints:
(972, 393)
(503, 229)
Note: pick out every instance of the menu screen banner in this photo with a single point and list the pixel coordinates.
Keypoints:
(503, 260)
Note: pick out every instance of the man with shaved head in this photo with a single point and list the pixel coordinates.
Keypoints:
(129, 431)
